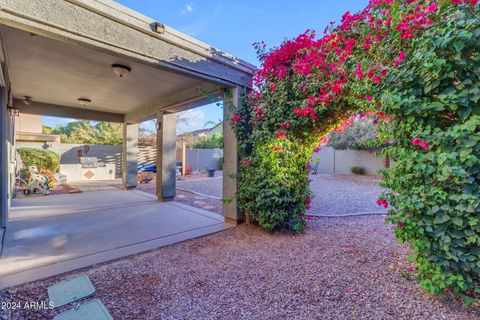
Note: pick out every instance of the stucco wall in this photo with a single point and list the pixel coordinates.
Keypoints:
(30, 123)
(341, 161)
(68, 153)
(202, 159)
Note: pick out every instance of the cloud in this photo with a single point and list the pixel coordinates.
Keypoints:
(200, 26)
(190, 120)
(188, 8)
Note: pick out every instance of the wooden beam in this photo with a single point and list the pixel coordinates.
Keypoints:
(53, 110)
(179, 101)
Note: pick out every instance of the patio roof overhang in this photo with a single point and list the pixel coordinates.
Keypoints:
(58, 51)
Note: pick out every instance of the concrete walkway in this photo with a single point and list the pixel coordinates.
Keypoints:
(50, 235)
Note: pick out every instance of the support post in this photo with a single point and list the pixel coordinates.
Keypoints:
(184, 157)
(130, 152)
(166, 155)
(231, 211)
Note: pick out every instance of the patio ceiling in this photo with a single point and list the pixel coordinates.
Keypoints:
(58, 56)
(59, 73)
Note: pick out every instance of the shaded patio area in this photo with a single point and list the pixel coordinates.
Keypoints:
(50, 235)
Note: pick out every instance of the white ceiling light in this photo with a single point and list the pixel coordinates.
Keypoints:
(27, 100)
(84, 101)
(120, 70)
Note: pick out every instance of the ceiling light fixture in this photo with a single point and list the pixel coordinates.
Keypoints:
(84, 101)
(159, 27)
(120, 70)
(27, 100)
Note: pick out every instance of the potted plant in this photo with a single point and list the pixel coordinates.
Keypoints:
(211, 172)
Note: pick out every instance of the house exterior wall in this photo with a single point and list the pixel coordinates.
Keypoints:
(30, 123)
(7, 144)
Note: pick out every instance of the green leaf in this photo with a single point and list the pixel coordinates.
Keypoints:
(441, 218)
(458, 221)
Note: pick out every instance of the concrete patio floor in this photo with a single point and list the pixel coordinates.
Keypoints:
(49, 235)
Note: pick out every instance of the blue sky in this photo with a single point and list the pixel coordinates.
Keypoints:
(233, 26)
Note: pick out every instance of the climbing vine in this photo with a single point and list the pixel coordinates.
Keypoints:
(412, 65)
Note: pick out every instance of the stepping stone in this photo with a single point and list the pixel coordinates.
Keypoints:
(70, 290)
(92, 310)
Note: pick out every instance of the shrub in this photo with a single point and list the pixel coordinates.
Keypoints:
(210, 142)
(43, 159)
(412, 65)
(357, 170)
(220, 163)
(360, 135)
(434, 180)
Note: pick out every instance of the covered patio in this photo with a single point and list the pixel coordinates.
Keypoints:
(97, 60)
(51, 235)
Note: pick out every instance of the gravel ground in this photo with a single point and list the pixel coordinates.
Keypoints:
(194, 200)
(205, 203)
(340, 268)
(207, 186)
(338, 194)
(344, 194)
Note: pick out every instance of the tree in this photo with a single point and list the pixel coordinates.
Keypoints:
(210, 142)
(360, 135)
(47, 130)
(88, 132)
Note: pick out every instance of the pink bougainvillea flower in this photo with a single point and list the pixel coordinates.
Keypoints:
(280, 134)
(308, 202)
(424, 145)
(277, 148)
(312, 100)
(369, 98)
(431, 8)
(416, 141)
(401, 56)
(358, 71)
(400, 224)
(472, 2)
(281, 71)
(246, 162)
(382, 202)
(235, 119)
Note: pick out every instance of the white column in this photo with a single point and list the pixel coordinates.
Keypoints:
(130, 152)
(166, 156)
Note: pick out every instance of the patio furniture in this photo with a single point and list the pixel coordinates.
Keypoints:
(37, 183)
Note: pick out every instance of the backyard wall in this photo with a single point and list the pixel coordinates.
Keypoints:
(147, 153)
(68, 152)
(201, 159)
(341, 161)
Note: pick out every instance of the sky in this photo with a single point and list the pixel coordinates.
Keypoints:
(233, 26)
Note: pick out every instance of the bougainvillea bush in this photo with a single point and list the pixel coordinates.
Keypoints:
(412, 65)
